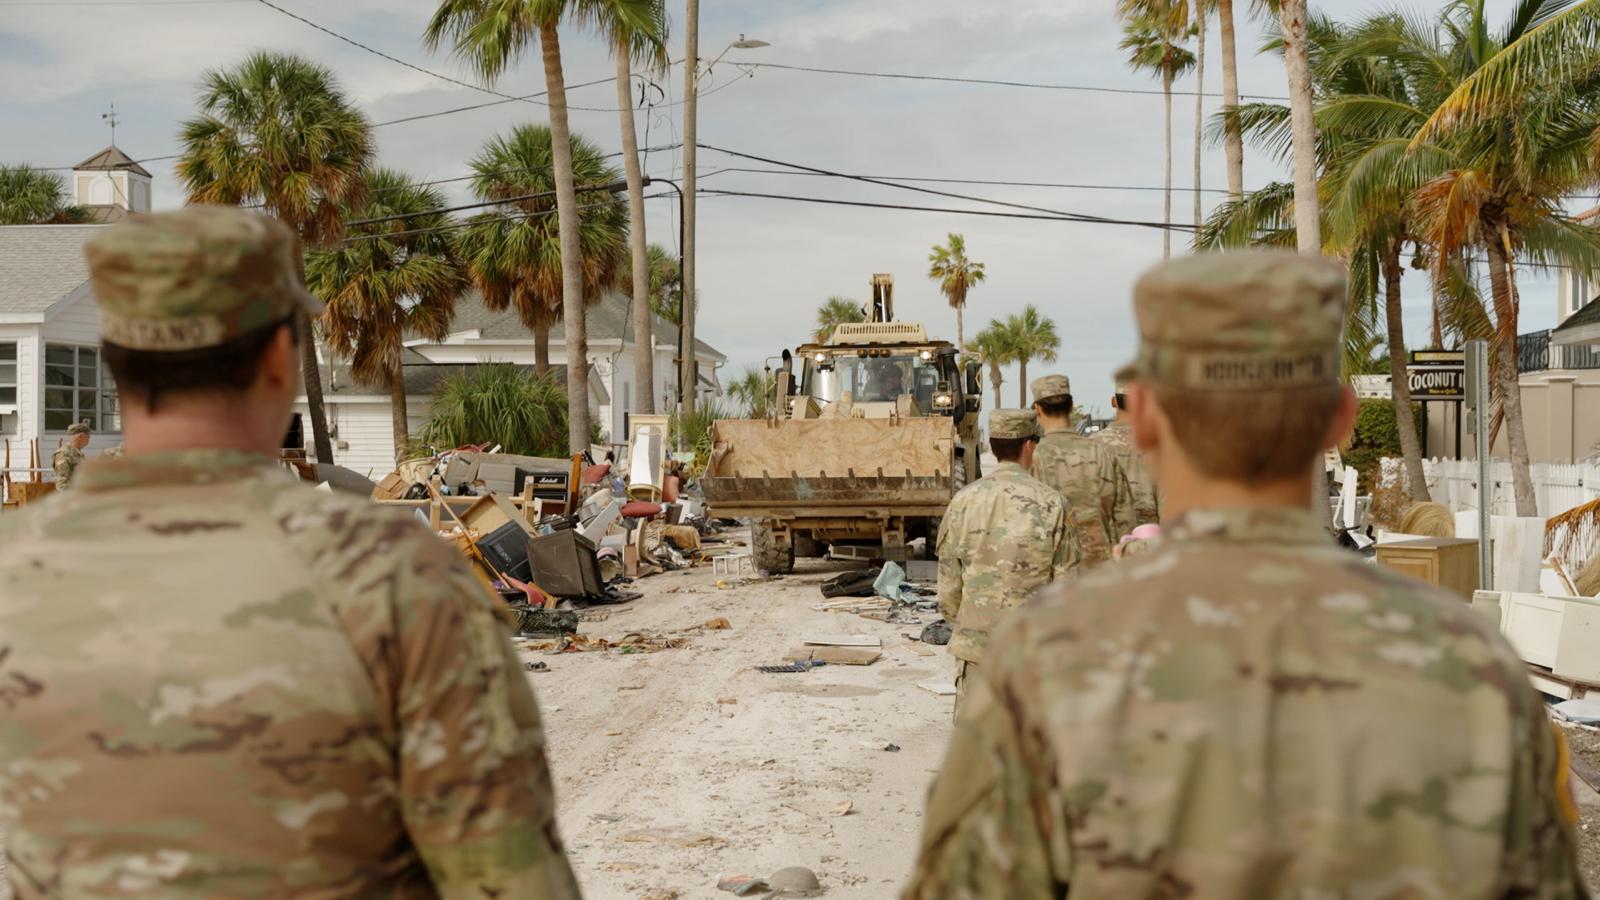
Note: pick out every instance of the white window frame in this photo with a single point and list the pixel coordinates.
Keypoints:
(105, 416)
(10, 418)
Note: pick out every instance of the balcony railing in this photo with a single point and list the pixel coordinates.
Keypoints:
(1535, 354)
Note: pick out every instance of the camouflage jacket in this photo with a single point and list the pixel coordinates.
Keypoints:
(1087, 473)
(1003, 536)
(217, 682)
(65, 462)
(1146, 498)
(1249, 711)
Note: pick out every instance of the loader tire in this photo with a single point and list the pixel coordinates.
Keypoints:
(808, 547)
(769, 556)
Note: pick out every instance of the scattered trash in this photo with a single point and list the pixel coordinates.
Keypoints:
(677, 837)
(533, 620)
(801, 666)
(630, 687)
(1585, 711)
(891, 748)
(819, 810)
(718, 624)
(632, 642)
(613, 733)
(891, 583)
(936, 633)
(795, 881)
(606, 817)
(842, 656)
(851, 584)
(728, 701)
(842, 640)
(735, 564)
(536, 667)
(939, 687)
(742, 885)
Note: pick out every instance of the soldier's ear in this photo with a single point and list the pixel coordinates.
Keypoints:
(1144, 415)
(1344, 419)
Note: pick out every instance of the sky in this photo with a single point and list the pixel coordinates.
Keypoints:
(764, 265)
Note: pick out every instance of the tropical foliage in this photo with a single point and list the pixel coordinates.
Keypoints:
(30, 196)
(513, 253)
(992, 349)
(1454, 145)
(394, 278)
(753, 390)
(1153, 37)
(500, 403)
(837, 311)
(666, 284)
(956, 274)
(1021, 338)
(277, 132)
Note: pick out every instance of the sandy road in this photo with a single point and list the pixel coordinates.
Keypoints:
(744, 768)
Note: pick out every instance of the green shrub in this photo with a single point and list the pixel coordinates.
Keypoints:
(499, 403)
(693, 432)
(1376, 436)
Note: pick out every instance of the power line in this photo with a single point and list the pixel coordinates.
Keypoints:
(115, 2)
(995, 82)
(965, 212)
(1054, 213)
(464, 223)
(1041, 184)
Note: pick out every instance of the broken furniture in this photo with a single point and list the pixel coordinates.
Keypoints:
(737, 565)
(565, 563)
(1556, 636)
(1450, 563)
(647, 456)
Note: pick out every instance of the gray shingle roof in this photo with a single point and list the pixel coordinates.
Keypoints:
(40, 264)
(1583, 318)
(609, 320)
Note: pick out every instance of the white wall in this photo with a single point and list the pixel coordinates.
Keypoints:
(364, 440)
(23, 426)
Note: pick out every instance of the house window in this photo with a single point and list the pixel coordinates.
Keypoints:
(76, 389)
(8, 387)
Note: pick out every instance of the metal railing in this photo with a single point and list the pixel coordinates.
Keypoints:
(1536, 354)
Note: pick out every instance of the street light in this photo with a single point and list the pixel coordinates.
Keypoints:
(688, 371)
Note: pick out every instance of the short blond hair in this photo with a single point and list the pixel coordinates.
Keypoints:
(1251, 436)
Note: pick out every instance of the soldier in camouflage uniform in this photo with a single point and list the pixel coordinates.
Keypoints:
(69, 456)
(1119, 438)
(215, 681)
(1003, 536)
(1085, 471)
(1247, 710)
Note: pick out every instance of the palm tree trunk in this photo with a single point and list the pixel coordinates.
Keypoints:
(397, 411)
(961, 335)
(1405, 421)
(1166, 214)
(1503, 286)
(576, 345)
(1233, 141)
(1438, 322)
(1199, 104)
(995, 378)
(1303, 126)
(644, 357)
(322, 444)
(1022, 383)
(541, 351)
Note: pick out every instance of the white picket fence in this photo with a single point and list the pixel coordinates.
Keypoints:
(1557, 487)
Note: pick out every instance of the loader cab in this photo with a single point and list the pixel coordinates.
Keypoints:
(875, 378)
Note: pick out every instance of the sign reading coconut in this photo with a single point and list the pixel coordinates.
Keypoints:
(1437, 375)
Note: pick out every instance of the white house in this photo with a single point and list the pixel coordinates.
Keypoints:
(50, 369)
(359, 418)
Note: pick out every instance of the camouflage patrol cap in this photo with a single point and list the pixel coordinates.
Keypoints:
(1247, 320)
(1050, 387)
(1012, 424)
(194, 278)
(77, 428)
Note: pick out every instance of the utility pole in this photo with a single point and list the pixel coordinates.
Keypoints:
(688, 373)
(111, 119)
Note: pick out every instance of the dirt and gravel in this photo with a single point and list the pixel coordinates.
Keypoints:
(680, 767)
(1585, 745)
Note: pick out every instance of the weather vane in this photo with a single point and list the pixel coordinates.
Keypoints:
(111, 118)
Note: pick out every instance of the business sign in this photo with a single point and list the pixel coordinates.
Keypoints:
(1437, 375)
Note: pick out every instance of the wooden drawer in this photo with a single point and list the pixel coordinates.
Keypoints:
(1450, 563)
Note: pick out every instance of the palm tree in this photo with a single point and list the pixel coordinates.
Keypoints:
(1297, 63)
(956, 275)
(666, 284)
(646, 42)
(837, 311)
(30, 196)
(513, 254)
(499, 403)
(1200, 9)
(1233, 144)
(1152, 38)
(753, 390)
(992, 347)
(489, 35)
(387, 280)
(1030, 335)
(277, 132)
(1520, 133)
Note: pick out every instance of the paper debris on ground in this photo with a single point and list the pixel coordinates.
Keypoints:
(939, 687)
(677, 837)
(842, 640)
(819, 809)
